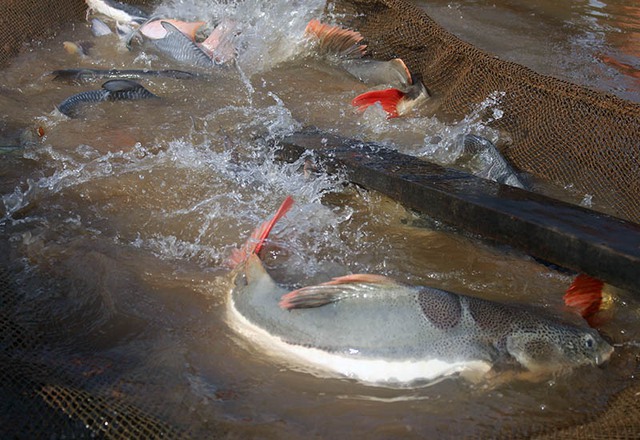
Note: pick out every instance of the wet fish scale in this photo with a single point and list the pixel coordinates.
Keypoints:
(182, 48)
(441, 308)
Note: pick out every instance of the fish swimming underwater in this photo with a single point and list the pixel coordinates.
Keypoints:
(113, 90)
(375, 330)
(494, 166)
(87, 74)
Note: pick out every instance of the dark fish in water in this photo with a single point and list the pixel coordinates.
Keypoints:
(117, 11)
(378, 331)
(6, 149)
(182, 48)
(113, 90)
(80, 75)
(495, 167)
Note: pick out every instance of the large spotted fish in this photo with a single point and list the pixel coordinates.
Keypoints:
(378, 331)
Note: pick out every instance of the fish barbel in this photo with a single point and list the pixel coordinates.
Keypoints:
(378, 331)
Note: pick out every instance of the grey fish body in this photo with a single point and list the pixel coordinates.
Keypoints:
(376, 72)
(385, 332)
(113, 90)
(181, 48)
(496, 168)
(68, 107)
(86, 74)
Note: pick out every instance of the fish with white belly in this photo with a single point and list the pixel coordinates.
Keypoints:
(375, 330)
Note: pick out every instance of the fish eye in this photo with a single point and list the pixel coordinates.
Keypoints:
(589, 341)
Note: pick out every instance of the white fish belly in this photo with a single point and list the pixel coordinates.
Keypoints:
(381, 372)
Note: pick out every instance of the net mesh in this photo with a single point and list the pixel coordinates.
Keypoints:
(555, 130)
(558, 131)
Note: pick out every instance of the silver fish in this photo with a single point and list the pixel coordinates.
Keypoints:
(181, 48)
(113, 90)
(378, 331)
(495, 167)
(99, 28)
(117, 11)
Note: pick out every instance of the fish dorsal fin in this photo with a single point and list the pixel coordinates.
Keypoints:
(348, 286)
(255, 242)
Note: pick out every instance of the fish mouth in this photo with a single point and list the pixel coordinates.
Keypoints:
(604, 356)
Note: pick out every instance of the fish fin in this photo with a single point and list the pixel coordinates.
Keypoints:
(585, 296)
(337, 289)
(388, 99)
(336, 40)
(255, 242)
(401, 67)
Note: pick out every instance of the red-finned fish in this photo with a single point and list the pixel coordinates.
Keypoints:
(345, 47)
(378, 331)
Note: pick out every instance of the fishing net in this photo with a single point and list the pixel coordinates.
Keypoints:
(557, 130)
(553, 129)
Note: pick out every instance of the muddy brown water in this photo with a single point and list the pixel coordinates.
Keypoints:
(116, 225)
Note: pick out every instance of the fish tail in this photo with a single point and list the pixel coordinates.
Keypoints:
(389, 99)
(336, 40)
(585, 296)
(255, 242)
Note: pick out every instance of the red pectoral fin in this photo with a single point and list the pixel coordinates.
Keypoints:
(388, 99)
(585, 295)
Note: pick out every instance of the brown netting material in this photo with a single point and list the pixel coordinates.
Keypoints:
(558, 131)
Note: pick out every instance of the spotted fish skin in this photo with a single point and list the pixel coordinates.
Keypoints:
(181, 48)
(113, 90)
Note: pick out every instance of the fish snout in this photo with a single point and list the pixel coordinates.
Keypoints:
(605, 354)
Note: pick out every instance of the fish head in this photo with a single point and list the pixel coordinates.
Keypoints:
(553, 346)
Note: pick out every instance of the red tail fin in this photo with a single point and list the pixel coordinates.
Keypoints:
(585, 295)
(388, 99)
(254, 244)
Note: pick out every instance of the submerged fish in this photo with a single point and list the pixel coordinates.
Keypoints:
(87, 74)
(378, 331)
(99, 28)
(113, 90)
(495, 166)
